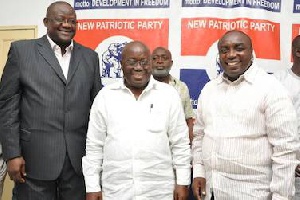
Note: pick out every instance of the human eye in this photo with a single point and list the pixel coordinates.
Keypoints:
(59, 20)
(154, 57)
(131, 62)
(72, 21)
(240, 47)
(144, 62)
(164, 57)
(223, 50)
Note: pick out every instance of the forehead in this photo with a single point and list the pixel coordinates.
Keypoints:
(135, 51)
(160, 52)
(61, 9)
(235, 38)
(296, 42)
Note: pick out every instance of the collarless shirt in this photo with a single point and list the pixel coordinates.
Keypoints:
(63, 59)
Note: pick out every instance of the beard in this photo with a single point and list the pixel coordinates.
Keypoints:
(160, 72)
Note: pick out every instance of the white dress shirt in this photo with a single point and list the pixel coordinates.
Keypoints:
(245, 138)
(63, 59)
(134, 146)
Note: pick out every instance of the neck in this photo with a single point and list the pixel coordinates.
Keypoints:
(165, 79)
(232, 79)
(63, 50)
(136, 91)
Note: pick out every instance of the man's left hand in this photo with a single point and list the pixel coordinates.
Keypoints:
(297, 171)
(181, 192)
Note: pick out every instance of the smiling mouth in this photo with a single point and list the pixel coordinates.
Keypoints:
(66, 32)
(138, 74)
(232, 63)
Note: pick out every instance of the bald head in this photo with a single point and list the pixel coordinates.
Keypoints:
(57, 4)
(134, 46)
(241, 34)
(162, 49)
(296, 41)
(296, 50)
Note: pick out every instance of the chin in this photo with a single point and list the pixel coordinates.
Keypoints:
(140, 84)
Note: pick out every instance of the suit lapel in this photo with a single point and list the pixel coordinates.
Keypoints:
(74, 62)
(45, 50)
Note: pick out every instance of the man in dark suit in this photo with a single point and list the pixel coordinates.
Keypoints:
(46, 91)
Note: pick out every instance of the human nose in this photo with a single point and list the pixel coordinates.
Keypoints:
(158, 59)
(66, 22)
(231, 53)
(138, 65)
(69, 22)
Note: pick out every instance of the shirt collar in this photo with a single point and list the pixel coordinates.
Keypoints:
(172, 80)
(249, 76)
(54, 45)
(151, 85)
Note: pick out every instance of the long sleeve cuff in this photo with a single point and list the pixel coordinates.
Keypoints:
(276, 196)
(198, 171)
(92, 183)
(183, 176)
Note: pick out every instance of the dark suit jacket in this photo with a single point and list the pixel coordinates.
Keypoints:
(43, 116)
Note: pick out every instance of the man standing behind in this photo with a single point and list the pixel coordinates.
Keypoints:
(290, 78)
(46, 91)
(137, 137)
(161, 66)
(245, 136)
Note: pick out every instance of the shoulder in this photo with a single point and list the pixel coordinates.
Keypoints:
(264, 78)
(212, 84)
(269, 85)
(164, 87)
(25, 43)
(281, 74)
(179, 82)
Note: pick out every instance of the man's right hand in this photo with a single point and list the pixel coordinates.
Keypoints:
(16, 169)
(94, 196)
(198, 187)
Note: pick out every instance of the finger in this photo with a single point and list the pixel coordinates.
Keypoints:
(13, 176)
(19, 178)
(196, 193)
(23, 172)
(203, 195)
(199, 198)
(203, 189)
(175, 195)
(16, 178)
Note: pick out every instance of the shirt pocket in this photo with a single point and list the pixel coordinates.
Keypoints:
(156, 120)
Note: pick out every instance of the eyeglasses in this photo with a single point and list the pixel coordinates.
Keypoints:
(135, 63)
(72, 22)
